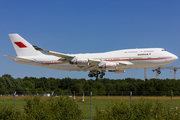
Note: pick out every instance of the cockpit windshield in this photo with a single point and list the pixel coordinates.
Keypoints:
(163, 50)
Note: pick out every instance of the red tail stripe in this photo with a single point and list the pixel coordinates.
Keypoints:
(20, 44)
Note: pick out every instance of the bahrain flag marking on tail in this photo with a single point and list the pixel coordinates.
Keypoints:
(20, 45)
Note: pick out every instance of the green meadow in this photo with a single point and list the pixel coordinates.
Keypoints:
(99, 102)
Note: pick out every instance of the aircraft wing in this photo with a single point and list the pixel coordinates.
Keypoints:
(97, 62)
(94, 62)
(65, 56)
(125, 63)
(61, 55)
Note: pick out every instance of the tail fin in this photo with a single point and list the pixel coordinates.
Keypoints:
(22, 47)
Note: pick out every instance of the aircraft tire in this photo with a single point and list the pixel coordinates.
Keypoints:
(101, 76)
(90, 75)
(159, 72)
(95, 75)
(102, 73)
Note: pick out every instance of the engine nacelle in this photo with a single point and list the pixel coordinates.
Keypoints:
(117, 71)
(111, 66)
(81, 62)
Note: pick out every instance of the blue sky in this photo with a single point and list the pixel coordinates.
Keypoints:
(89, 26)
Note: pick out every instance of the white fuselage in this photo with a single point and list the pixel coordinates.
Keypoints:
(141, 58)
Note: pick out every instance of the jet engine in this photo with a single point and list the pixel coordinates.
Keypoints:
(80, 62)
(109, 66)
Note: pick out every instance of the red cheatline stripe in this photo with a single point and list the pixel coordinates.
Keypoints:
(117, 60)
(138, 59)
(20, 44)
(53, 63)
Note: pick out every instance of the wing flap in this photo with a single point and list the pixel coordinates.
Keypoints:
(125, 63)
(97, 62)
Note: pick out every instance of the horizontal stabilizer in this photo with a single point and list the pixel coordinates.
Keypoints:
(19, 59)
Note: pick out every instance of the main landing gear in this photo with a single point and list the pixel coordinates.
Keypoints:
(96, 74)
(158, 72)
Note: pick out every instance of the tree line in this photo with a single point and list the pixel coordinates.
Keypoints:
(105, 86)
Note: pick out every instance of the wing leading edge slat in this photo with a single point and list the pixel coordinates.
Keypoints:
(65, 56)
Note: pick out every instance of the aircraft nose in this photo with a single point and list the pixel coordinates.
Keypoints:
(174, 57)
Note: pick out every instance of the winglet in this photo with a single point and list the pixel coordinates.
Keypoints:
(37, 48)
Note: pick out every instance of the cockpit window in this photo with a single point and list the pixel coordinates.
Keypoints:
(163, 50)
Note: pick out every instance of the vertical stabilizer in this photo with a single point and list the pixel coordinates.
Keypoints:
(22, 47)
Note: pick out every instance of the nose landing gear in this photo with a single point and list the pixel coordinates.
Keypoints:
(158, 70)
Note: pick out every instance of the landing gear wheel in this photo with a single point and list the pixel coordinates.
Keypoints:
(102, 73)
(95, 75)
(90, 75)
(101, 76)
(159, 72)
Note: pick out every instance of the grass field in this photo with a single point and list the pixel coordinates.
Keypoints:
(97, 101)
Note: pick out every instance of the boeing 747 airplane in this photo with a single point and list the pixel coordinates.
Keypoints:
(96, 63)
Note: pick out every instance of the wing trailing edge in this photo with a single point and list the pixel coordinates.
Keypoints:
(125, 63)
